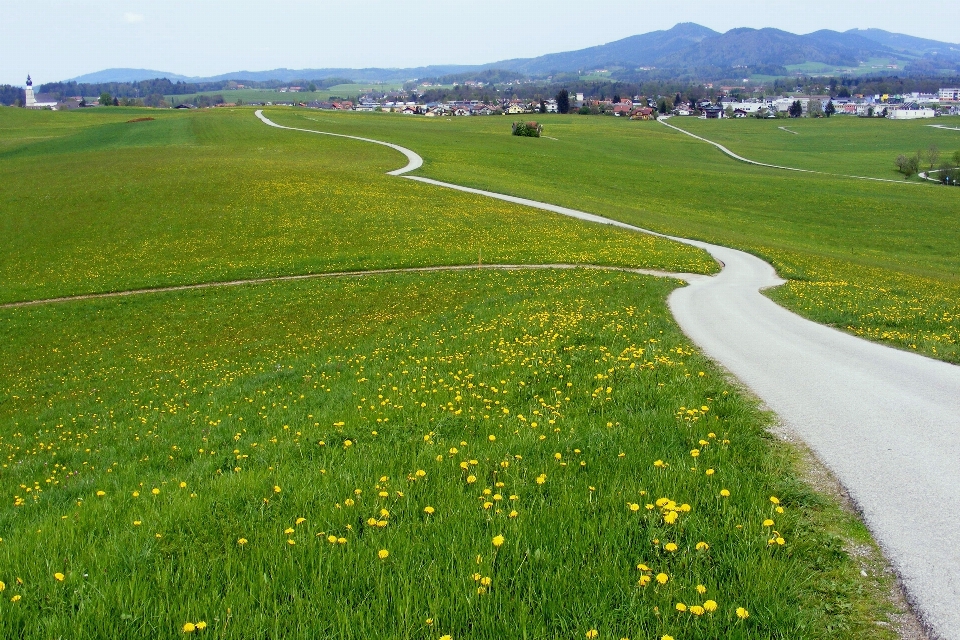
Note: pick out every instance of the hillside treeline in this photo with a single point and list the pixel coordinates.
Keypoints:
(10, 95)
(165, 87)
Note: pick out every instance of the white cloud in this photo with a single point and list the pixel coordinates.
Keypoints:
(133, 17)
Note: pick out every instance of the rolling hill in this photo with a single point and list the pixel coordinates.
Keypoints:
(684, 47)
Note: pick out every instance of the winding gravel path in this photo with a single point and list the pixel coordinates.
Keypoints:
(886, 422)
(663, 121)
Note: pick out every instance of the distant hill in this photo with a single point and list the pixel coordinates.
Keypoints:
(127, 75)
(909, 44)
(641, 50)
(685, 47)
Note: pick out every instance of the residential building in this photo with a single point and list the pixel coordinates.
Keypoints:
(950, 95)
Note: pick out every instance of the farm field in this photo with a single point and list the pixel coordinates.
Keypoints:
(409, 456)
(880, 260)
(439, 454)
(215, 195)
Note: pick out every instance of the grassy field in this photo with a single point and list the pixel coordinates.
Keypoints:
(427, 456)
(215, 195)
(860, 254)
(412, 456)
(844, 145)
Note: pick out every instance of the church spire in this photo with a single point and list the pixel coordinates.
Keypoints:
(29, 81)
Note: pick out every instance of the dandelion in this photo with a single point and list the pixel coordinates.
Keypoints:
(241, 541)
(383, 554)
(428, 510)
(288, 530)
(100, 494)
(446, 637)
(670, 546)
(701, 589)
(136, 494)
(291, 542)
(15, 598)
(593, 633)
(471, 479)
(492, 438)
(155, 491)
(662, 578)
(2, 586)
(634, 507)
(710, 606)
(774, 500)
(768, 523)
(58, 576)
(709, 472)
(742, 613)
(420, 473)
(137, 523)
(697, 610)
(702, 546)
(667, 637)
(725, 493)
(694, 453)
(183, 485)
(541, 478)
(681, 607)
(332, 539)
(276, 489)
(498, 541)
(189, 627)
(300, 521)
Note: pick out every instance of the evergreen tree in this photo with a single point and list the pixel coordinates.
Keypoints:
(563, 101)
(830, 110)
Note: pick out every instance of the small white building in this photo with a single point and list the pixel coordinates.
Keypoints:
(910, 114)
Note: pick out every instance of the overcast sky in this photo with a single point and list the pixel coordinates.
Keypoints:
(60, 39)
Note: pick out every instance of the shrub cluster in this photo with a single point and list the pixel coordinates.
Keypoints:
(527, 129)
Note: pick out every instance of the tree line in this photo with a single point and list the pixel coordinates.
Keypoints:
(12, 96)
(165, 87)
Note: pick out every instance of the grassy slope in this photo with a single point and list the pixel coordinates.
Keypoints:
(879, 259)
(241, 437)
(845, 145)
(215, 195)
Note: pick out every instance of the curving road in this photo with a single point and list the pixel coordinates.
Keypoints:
(663, 121)
(886, 422)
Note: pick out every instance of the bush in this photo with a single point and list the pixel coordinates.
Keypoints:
(527, 129)
(584, 110)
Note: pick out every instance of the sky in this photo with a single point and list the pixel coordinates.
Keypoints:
(61, 39)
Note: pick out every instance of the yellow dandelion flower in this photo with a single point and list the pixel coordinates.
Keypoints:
(681, 607)
(697, 610)
(725, 493)
(2, 586)
(137, 523)
(498, 541)
(428, 510)
(349, 502)
(15, 598)
(155, 491)
(709, 472)
(768, 523)
(695, 453)
(189, 627)
(471, 479)
(702, 546)
(58, 576)
(514, 514)
(701, 589)
(201, 625)
(634, 507)
(383, 554)
(300, 521)
(670, 546)
(100, 494)
(662, 578)
(666, 637)
(288, 530)
(332, 539)
(774, 500)
(446, 637)
(183, 485)
(742, 613)
(241, 541)
(276, 489)
(710, 606)
(593, 633)
(644, 581)
(420, 473)
(291, 542)
(136, 494)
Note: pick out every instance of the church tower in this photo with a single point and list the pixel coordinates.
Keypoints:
(31, 99)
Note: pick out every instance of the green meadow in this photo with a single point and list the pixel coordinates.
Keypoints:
(345, 91)
(469, 454)
(878, 259)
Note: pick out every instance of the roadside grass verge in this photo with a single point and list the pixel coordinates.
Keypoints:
(97, 203)
(243, 457)
(893, 244)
